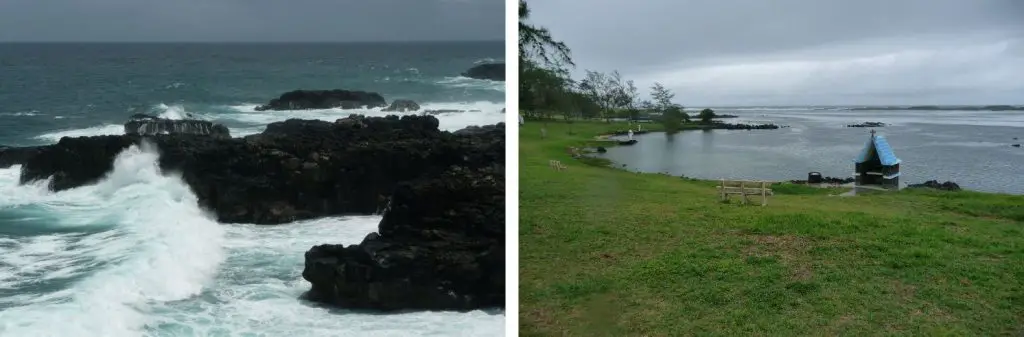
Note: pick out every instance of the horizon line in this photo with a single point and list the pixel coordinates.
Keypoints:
(247, 42)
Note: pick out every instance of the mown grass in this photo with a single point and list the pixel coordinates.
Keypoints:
(604, 252)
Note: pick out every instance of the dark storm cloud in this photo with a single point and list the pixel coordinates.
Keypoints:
(802, 52)
(251, 20)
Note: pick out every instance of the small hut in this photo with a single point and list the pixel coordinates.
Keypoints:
(877, 165)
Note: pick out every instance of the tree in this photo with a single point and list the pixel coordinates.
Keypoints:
(662, 96)
(671, 113)
(672, 119)
(609, 91)
(536, 42)
(544, 82)
(706, 116)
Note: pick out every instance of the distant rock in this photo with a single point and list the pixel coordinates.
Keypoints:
(727, 126)
(402, 105)
(147, 125)
(447, 111)
(934, 184)
(867, 125)
(628, 142)
(324, 99)
(487, 71)
(828, 180)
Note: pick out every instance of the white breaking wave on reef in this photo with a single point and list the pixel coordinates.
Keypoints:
(160, 247)
(472, 83)
(99, 130)
(256, 291)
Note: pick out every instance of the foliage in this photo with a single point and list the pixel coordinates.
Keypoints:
(706, 116)
(672, 118)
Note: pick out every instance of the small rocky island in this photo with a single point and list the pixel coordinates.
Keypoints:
(866, 125)
(487, 71)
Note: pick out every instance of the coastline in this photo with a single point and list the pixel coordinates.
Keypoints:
(607, 139)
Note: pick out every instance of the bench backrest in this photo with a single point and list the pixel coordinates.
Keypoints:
(744, 183)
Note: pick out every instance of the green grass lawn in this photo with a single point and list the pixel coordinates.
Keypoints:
(605, 252)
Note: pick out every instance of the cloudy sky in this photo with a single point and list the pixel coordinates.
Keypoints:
(793, 52)
(251, 20)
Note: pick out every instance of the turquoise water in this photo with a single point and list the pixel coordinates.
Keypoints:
(134, 255)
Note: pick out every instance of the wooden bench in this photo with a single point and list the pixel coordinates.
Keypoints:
(745, 188)
(557, 165)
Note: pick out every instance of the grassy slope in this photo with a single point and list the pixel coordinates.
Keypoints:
(608, 252)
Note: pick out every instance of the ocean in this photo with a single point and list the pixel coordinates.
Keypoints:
(133, 255)
(972, 147)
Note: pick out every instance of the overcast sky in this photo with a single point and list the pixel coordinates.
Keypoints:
(251, 20)
(793, 52)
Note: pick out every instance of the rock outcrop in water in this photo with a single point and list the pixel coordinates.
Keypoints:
(142, 124)
(867, 125)
(487, 71)
(402, 105)
(440, 246)
(934, 184)
(296, 169)
(324, 99)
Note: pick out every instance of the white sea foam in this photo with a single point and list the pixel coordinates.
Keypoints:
(28, 113)
(472, 83)
(99, 130)
(159, 247)
(257, 289)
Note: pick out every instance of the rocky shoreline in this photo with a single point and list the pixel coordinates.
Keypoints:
(440, 244)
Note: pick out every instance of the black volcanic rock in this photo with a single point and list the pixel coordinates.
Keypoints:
(440, 246)
(403, 105)
(867, 125)
(324, 99)
(142, 124)
(934, 184)
(10, 156)
(487, 71)
(296, 169)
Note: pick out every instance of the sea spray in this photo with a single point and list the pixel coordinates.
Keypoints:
(161, 247)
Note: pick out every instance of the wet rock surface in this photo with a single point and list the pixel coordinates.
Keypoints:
(440, 246)
(142, 124)
(402, 105)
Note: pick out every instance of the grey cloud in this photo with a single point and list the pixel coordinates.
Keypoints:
(802, 52)
(254, 20)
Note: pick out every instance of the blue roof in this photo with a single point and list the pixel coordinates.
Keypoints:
(881, 147)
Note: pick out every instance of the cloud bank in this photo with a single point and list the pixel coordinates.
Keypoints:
(790, 52)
